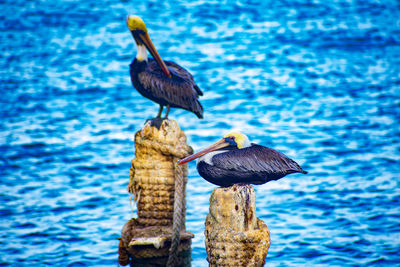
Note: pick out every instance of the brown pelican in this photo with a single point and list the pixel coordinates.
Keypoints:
(234, 160)
(164, 82)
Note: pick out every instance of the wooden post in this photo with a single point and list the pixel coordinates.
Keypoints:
(234, 235)
(153, 177)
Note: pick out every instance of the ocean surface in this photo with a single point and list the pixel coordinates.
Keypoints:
(316, 80)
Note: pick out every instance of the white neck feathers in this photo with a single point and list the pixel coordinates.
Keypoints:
(141, 53)
(207, 158)
(246, 142)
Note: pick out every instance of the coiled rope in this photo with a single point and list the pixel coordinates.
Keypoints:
(179, 214)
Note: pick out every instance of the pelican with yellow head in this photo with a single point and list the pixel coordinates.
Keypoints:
(163, 82)
(234, 160)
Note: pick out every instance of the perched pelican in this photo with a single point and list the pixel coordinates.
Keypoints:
(234, 160)
(164, 82)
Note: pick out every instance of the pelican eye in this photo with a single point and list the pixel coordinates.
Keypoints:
(231, 140)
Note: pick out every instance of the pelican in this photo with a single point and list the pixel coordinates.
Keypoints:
(234, 160)
(163, 82)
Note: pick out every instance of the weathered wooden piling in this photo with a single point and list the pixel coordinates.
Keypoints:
(158, 185)
(234, 235)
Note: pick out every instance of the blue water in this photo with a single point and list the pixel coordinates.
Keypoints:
(318, 81)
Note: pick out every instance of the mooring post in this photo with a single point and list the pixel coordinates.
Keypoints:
(158, 185)
(234, 235)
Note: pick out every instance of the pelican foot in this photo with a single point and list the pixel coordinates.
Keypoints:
(156, 122)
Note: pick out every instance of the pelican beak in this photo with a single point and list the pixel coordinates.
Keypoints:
(142, 37)
(139, 33)
(218, 145)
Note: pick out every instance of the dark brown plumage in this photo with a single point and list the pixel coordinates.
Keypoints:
(177, 91)
(250, 165)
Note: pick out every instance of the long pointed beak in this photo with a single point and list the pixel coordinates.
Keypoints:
(145, 38)
(217, 145)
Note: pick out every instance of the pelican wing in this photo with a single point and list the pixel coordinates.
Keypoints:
(258, 160)
(178, 91)
(183, 73)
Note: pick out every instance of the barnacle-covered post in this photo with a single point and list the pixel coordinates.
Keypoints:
(234, 235)
(158, 185)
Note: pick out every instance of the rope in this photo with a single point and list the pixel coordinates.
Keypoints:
(167, 149)
(179, 213)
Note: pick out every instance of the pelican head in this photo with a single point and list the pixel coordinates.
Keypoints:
(142, 39)
(237, 139)
(230, 141)
(135, 23)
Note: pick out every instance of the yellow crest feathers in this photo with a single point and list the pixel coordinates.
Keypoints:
(135, 23)
(241, 139)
